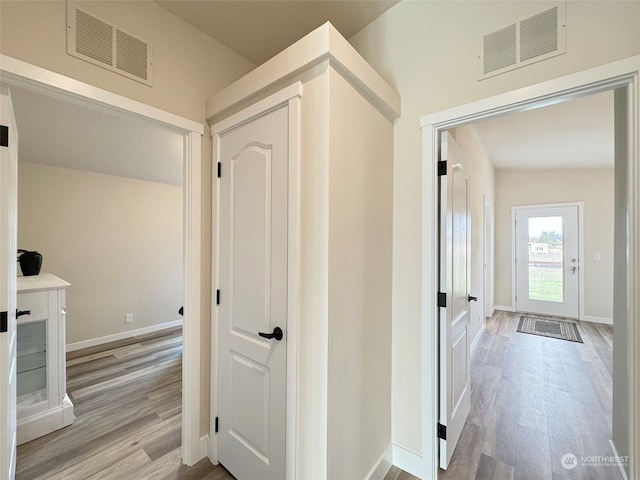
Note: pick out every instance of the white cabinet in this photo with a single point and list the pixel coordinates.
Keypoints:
(43, 404)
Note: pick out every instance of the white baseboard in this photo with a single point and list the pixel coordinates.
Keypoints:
(43, 423)
(203, 447)
(476, 340)
(407, 460)
(504, 308)
(589, 318)
(615, 453)
(191, 456)
(382, 466)
(119, 336)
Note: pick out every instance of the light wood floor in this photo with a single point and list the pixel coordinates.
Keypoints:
(127, 397)
(534, 399)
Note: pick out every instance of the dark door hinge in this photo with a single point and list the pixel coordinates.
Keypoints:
(216, 426)
(442, 431)
(219, 169)
(4, 136)
(217, 297)
(442, 299)
(4, 322)
(442, 168)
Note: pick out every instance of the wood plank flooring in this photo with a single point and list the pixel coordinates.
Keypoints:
(127, 397)
(534, 399)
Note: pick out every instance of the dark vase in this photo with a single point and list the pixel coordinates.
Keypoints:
(30, 262)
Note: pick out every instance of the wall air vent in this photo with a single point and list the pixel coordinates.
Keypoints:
(107, 45)
(525, 42)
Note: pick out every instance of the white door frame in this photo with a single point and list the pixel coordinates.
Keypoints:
(290, 95)
(488, 255)
(22, 74)
(580, 206)
(624, 73)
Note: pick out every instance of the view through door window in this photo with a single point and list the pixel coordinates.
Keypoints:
(545, 258)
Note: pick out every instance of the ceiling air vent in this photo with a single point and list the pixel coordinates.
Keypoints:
(528, 41)
(105, 44)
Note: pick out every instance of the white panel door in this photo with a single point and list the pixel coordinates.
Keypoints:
(547, 260)
(8, 248)
(455, 231)
(253, 297)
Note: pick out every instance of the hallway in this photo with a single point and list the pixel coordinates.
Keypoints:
(533, 400)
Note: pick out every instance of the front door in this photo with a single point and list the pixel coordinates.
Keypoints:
(8, 248)
(253, 297)
(547, 260)
(455, 241)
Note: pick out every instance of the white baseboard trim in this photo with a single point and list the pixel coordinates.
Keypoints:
(620, 465)
(191, 456)
(119, 336)
(504, 308)
(589, 318)
(407, 460)
(476, 340)
(382, 466)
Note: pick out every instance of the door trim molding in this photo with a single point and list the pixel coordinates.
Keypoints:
(25, 75)
(624, 73)
(514, 283)
(289, 96)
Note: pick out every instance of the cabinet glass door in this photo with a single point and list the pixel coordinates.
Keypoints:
(32, 363)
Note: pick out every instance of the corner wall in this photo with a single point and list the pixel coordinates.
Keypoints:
(427, 51)
(360, 236)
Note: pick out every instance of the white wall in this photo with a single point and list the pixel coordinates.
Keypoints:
(117, 240)
(531, 187)
(481, 188)
(427, 51)
(360, 235)
(188, 66)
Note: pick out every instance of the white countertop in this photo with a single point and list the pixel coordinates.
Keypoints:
(44, 281)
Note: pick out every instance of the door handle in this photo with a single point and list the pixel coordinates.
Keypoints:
(472, 299)
(20, 313)
(277, 334)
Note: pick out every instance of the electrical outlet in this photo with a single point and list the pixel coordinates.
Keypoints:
(128, 318)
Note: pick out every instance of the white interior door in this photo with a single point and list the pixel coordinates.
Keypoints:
(8, 248)
(455, 232)
(253, 297)
(547, 260)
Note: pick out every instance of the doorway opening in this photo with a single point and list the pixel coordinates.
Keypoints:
(19, 74)
(623, 77)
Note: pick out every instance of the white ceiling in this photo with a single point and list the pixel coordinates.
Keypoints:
(259, 29)
(574, 134)
(63, 134)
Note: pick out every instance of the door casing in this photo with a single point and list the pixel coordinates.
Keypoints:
(290, 96)
(21, 74)
(620, 74)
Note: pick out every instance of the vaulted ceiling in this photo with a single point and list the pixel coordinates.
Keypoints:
(259, 29)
